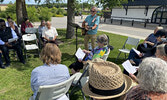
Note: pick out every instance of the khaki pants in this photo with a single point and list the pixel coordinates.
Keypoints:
(93, 41)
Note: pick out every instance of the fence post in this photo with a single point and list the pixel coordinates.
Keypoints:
(111, 20)
(121, 22)
(132, 22)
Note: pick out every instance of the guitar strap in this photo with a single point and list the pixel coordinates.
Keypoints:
(94, 19)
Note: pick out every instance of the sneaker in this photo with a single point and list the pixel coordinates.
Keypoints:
(3, 67)
(7, 64)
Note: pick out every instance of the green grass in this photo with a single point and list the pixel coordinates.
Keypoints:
(15, 80)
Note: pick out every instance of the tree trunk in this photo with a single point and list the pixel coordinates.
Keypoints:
(24, 9)
(70, 18)
(21, 11)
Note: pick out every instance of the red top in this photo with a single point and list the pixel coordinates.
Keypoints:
(24, 26)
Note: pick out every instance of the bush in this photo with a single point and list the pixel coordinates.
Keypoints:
(44, 14)
(32, 14)
(3, 14)
(59, 16)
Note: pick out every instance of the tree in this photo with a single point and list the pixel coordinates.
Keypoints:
(110, 3)
(21, 11)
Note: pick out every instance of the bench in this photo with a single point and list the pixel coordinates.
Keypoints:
(121, 19)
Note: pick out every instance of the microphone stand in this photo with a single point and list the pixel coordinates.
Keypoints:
(76, 30)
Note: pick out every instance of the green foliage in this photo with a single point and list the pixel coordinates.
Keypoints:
(32, 14)
(44, 14)
(110, 3)
(3, 14)
(59, 15)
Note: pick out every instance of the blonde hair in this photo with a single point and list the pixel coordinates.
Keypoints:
(50, 54)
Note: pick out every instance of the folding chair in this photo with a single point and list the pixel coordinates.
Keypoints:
(105, 56)
(28, 42)
(52, 92)
(79, 81)
(129, 41)
(31, 30)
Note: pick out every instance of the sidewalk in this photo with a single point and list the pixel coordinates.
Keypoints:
(137, 31)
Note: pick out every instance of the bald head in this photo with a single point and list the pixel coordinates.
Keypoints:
(48, 24)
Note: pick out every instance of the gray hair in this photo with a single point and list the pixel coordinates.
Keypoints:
(94, 7)
(161, 49)
(153, 75)
(102, 39)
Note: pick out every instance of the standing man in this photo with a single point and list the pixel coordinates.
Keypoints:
(92, 26)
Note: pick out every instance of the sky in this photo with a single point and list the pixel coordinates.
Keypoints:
(27, 1)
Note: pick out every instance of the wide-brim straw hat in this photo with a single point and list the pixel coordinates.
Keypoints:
(106, 77)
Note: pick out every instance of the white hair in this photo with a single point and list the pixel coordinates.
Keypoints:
(153, 75)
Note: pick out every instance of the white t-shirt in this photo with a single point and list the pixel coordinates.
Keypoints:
(49, 33)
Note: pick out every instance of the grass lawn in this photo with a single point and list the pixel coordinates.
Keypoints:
(15, 80)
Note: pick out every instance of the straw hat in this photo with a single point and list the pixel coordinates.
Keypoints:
(106, 81)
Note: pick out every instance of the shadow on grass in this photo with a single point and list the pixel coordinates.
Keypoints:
(15, 63)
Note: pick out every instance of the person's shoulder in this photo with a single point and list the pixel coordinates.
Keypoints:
(62, 65)
(88, 16)
(37, 69)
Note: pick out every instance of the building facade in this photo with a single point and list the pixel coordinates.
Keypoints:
(153, 10)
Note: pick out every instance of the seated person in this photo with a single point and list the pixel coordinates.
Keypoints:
(24, 25)
(152, 81)
(106, 81)
(40, 30)
(7, 33)
(15, 28)
(97, 52)
(150, 52)
(150, 41)
(51, 72)
(9, 20)
(49, 34)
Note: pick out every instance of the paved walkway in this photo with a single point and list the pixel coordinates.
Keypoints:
(138, 31)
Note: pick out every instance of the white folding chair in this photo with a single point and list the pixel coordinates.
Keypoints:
(80, 80)
(129, 41)
(52, 92)
(105, 56)
(28, 42)
(31, 30)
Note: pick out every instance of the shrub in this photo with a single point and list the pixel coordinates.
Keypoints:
(32, 14)
(59, 16)
(44, 14)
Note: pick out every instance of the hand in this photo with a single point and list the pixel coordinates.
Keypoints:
(85, 51)
(134, 78)
(141, 55)
(80, 60)
(7, 44)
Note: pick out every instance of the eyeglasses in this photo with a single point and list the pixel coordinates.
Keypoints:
(92, 11)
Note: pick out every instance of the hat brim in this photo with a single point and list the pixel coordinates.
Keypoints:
(128, 83)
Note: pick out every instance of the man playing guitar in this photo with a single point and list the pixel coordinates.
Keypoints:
(91, 25)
